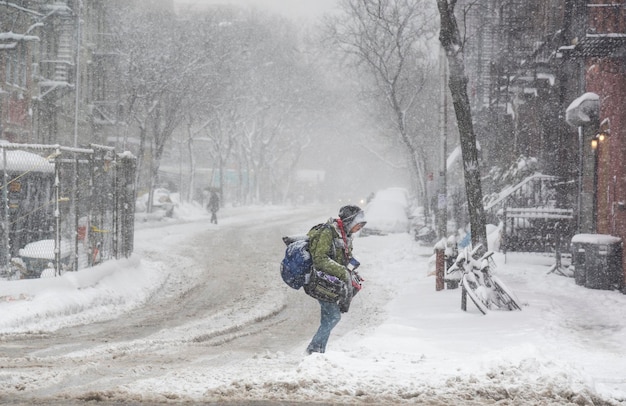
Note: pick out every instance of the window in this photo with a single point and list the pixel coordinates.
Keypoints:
(9, 67)
(17, 66)
(23, 66)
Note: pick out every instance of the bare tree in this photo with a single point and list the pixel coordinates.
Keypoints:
(274, 85)
(239, 81)
(158, 80)
(244, 106)
(389, 38)
(452, 43)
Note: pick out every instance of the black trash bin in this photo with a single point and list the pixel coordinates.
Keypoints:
(597, 261)
(578, 262)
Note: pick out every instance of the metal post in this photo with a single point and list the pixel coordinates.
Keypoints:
(76, 196)
(594, 202)
(57, 217)
(503, 242)
(77, 76)
(579, 199)
(463, 298)
(5, 203)
(116, 207)
(440, 265)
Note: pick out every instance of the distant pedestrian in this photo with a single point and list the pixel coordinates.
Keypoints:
(214, 206)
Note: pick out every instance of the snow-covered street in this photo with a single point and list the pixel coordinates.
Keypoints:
(199, 314)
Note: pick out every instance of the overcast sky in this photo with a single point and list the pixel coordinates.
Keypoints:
(290, 8)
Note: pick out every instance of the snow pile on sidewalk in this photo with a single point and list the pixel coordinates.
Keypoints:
(564, 347)
(95, 294)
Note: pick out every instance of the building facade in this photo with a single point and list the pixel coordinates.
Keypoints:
(527, 61)
(59, 65)
(603, 51)
(18, 43)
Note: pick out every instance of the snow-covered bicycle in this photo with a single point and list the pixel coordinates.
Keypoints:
(486, 290)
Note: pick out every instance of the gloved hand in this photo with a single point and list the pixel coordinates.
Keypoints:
(345, 298)
(356, 280)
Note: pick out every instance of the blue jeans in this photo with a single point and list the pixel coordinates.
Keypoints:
(329, 319)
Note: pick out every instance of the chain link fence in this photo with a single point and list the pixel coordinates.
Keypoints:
(64, 209)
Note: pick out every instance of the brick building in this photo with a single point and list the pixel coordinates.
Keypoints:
(603, 51)
(59, 78)
(527, 61)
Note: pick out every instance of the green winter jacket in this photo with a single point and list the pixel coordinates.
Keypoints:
(327, 250)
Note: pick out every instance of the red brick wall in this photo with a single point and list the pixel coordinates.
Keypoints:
(605, 18)
(607, 78)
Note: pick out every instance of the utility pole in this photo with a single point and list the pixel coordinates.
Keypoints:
(77, 88)
(442, 193)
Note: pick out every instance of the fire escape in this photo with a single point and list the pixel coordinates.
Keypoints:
(513, 64)
(56, 68)
(104, 104)
(516, 78)
(105, 113)
(497, 54)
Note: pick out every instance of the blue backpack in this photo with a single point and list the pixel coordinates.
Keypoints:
(297, 263)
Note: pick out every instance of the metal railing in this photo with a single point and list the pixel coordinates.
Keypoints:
(531, 220)
(534, 191)
(63, 209)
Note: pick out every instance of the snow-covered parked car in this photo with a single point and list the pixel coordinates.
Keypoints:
(162, 201)
(38, 256)
(388, 212)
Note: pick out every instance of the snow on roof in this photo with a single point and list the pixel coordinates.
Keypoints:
(126, 154)
(607, 35)
(589, 96)
(11, 36)
(22, 161)
(547, 76)
(530, 90)
(58, 7)
(596, 239)
(579, 112)
(454, 155)
(56, 83)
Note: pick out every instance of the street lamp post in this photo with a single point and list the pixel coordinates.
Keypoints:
(596, 145)
(583, 113)
(579, 200)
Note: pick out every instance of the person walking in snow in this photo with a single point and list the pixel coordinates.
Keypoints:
(214, 206)
(331, 251)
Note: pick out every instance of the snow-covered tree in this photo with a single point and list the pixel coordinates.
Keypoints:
(450, 39)
(158, 81)
(389, 41)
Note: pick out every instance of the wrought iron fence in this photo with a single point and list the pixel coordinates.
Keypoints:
(64, 209)
(531, 220)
